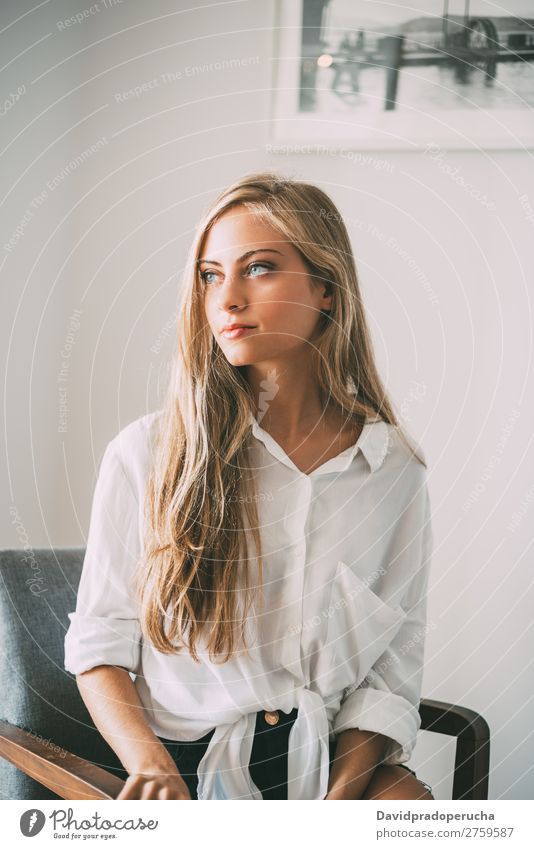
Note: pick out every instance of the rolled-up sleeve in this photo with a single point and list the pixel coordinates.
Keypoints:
(105, 628)
(387, 700)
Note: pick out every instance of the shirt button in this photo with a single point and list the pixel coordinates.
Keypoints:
(272, 717)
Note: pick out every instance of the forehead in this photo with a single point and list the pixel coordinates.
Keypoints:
(240, 229)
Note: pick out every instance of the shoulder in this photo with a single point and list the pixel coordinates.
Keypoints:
(132, 447)
(403, 449)
(399, 487)
(387, 446)
(399, 458)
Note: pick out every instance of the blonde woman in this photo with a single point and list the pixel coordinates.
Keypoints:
(251, 615)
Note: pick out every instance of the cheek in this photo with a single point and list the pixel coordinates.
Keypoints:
(210, 310)
(298, 319)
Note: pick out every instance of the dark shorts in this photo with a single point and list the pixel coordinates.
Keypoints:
(268, 758)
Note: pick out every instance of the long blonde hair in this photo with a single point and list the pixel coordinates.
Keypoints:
(194, 567)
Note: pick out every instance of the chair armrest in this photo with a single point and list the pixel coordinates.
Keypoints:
(454, 720)
(67, 775)
(472, 759)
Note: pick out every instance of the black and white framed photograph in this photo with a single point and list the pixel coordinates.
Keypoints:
(458, 73)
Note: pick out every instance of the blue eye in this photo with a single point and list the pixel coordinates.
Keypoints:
(262, 265)
(204, 275)
(259, 265)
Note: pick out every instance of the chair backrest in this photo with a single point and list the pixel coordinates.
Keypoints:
(37, 591)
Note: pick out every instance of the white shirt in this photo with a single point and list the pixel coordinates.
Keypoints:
(341, 636)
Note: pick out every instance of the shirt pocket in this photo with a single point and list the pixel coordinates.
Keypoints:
(360, 627)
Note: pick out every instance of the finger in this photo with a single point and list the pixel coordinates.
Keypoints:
(150, 790)
(130, 789)
(167, 793)
(124, 794)
(183, 793)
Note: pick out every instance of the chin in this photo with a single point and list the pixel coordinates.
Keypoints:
(242, 360)
(238, 351)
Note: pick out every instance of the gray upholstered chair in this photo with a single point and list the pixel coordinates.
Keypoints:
(49, 746)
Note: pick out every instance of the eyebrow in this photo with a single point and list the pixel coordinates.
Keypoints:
(244, 256)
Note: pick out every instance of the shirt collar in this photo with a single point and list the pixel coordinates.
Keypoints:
(373, 442)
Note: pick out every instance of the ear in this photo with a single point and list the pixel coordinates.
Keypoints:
(327, 296)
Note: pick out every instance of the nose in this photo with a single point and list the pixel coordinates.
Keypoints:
(230, 294)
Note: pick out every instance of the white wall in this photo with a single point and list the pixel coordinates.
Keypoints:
(449, 305)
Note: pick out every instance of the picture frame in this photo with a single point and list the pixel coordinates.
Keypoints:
(387, 113)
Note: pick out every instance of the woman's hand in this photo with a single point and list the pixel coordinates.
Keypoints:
(146, 785)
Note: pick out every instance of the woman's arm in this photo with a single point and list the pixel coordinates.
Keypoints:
(358, 753)
(113, 702)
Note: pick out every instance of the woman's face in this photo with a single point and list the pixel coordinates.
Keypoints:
(251, 275)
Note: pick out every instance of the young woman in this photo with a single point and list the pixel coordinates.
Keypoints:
(251, 615)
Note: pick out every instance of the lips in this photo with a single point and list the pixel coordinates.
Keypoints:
(232, 331)
(236, 326)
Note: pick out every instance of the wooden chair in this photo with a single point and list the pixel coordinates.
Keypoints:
(49, 746)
